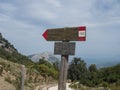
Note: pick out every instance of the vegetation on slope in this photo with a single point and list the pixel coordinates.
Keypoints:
(37, 73)
(93, 77)
(8, 52)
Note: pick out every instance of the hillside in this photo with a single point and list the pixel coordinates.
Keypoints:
(9, 52)
(4, 75)
(10, 76)
(5, 45)
(10, 69)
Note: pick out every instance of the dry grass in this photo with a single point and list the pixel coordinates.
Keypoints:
(7, 74)
(114, 87)
(4, 85)
(11, 76)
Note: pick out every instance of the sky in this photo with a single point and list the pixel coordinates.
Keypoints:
(23, 22)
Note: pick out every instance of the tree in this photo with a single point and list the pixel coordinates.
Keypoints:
(92, 68)
(93, 78)
(77, 69)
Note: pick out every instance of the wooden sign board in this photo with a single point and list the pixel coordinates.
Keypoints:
(66, 34)
(64, 48)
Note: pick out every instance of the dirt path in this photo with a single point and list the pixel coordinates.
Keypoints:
(56, 87)
(41, 87)
(51, 87)
(44, 87)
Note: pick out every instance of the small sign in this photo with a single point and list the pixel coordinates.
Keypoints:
(64, 48)
(81, 34)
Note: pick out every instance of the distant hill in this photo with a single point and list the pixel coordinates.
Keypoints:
(104, 62)
(9, 52)
(108, 64)
(46, 55)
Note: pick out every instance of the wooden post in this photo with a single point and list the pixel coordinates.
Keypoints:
(63, 72)
(64, 48)
(23, 76)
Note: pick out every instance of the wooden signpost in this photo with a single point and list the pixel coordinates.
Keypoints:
(65, 48)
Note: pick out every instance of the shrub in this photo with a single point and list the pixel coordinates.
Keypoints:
(8, 79)
(104, 84)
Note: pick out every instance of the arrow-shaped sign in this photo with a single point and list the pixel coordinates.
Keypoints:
(66, 34)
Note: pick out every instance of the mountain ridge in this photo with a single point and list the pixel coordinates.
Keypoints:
(46, 55)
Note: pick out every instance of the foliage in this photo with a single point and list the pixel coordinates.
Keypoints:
(92, 68)
(15, 57)
(111, 74)
(77, 69)
(45, 62)
(47, 68)
(92, 76)
(42, 66)
(104, 84)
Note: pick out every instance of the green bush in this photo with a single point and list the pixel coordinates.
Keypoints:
(105, 84)
(73, 85)
(48, 71)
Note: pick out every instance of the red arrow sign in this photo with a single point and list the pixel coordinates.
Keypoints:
(66, 34)
(45, 34)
